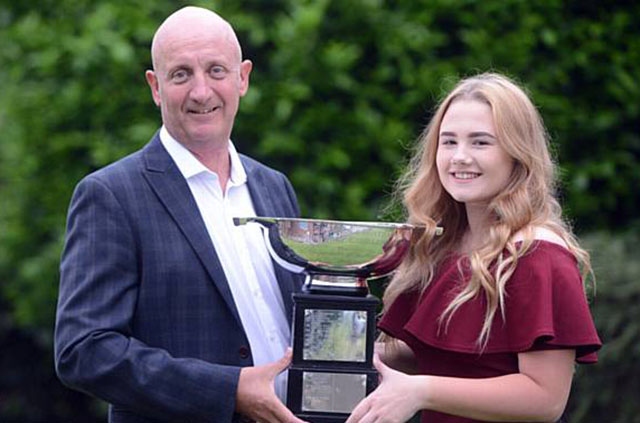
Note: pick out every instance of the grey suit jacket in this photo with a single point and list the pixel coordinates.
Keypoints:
(146, 320)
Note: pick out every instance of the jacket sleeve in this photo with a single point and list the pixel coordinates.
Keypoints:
(95, 351)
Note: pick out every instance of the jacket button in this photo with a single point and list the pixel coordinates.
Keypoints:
(244, 352)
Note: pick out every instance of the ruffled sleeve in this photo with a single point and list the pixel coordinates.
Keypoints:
(546, 308)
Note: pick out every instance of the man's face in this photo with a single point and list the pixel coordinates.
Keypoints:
(197, 83)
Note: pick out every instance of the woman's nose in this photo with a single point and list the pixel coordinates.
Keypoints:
(460, 155)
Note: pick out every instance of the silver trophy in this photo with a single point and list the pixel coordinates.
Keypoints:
(334, 316)
(338, 257)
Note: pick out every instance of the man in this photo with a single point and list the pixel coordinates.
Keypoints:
(167, 310)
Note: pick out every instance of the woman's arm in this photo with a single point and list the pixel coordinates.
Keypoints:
(538, 393)
(397, 355)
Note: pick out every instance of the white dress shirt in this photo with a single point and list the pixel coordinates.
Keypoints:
(242, 253)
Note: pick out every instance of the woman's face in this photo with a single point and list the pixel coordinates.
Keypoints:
(472, 165)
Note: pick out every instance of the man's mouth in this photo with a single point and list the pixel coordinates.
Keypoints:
(203, 111)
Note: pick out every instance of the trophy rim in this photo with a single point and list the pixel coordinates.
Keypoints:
(361, 223)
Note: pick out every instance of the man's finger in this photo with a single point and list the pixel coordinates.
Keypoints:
(283, 363)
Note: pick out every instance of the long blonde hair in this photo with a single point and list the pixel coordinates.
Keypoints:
(527, 201)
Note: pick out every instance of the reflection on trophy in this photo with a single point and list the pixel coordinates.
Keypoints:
(334, 315)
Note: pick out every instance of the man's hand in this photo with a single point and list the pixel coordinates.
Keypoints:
(256, 397)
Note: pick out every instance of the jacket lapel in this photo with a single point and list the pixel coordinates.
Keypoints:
(258, 190)
(174, 193)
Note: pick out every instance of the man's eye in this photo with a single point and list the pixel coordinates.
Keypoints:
(180, 76)
(218, 72)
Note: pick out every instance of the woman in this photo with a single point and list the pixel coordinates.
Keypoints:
(486, 321)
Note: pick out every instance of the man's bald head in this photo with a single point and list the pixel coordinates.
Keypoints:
(191, 21)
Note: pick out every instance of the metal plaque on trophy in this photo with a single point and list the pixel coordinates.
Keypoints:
(334, 322)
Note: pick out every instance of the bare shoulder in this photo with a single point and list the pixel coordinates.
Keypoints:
(548, 235)
(540, 233)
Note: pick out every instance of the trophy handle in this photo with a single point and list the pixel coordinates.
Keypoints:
(278, 250)
(266, 222)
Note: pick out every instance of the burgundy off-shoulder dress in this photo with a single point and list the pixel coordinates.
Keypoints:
(545, 308)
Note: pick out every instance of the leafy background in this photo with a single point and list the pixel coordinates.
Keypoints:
(340, 90)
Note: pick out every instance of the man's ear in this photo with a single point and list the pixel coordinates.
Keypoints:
(152, 80)
(245, 70)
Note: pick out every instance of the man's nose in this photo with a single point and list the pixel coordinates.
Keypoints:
(200, 89)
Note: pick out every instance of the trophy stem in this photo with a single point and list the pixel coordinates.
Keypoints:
(351, 286)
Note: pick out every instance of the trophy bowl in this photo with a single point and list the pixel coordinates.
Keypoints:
(338, 257)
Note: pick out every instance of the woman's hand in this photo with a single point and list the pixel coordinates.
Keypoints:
(395, 400)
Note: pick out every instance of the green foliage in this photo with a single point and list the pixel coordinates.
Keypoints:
(606, 392)
(63, 114)
(347, 102)
(340, 89)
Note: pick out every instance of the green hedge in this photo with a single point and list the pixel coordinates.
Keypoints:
(608, 391)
